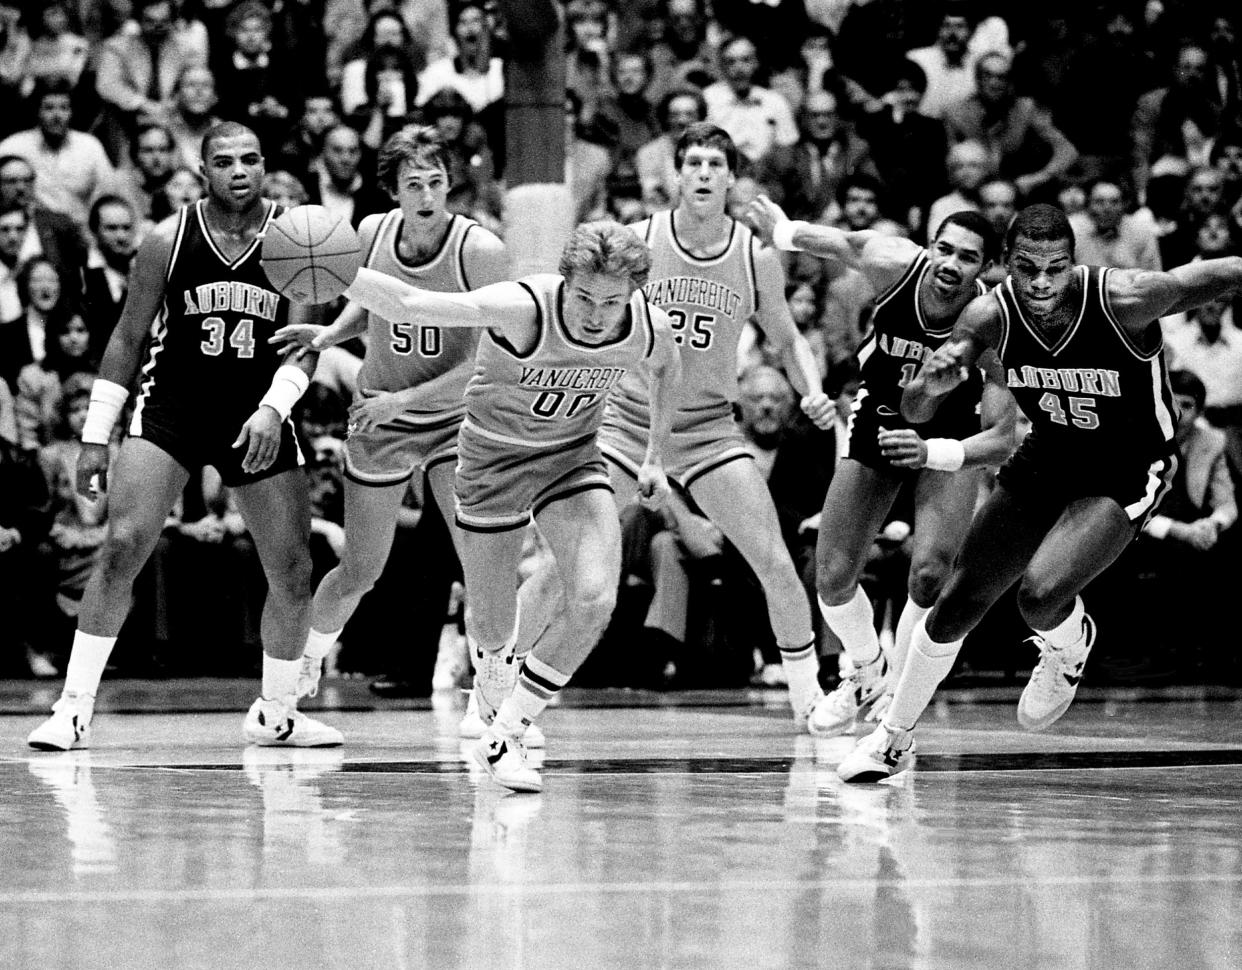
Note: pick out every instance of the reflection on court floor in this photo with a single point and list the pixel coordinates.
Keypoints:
(679, 831)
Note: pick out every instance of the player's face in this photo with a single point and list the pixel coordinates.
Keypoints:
(234, 172)
(595, 305)
(956, 260)
(1042, 272)
(704, 178)
(422, 192)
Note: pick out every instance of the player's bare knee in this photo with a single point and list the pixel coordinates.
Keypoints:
(358, 578)
(290, 578)
(1041, 602)
(122, 555)
(593, 600)
(835, 583)
(927, 579)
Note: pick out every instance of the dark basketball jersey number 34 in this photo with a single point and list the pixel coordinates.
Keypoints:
(209, 362)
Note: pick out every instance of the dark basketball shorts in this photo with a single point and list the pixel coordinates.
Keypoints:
(501, 486)
(196, 438)
(1046, 477)
(868, 417)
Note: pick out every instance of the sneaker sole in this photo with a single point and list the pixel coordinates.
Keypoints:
(50, 746)
(273, 743)
(481, 759)
(1038, 724)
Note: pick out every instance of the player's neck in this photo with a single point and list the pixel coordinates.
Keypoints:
(233, 222)
(422, 239)
(700, 229)
(936, 308)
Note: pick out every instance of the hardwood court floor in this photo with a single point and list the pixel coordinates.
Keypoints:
(684, 831)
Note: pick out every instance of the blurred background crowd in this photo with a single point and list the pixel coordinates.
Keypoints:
(881, 114)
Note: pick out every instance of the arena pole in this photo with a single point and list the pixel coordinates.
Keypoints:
(539, 211)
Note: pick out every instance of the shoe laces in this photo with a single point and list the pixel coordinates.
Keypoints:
(844, 698)
(1044, 678)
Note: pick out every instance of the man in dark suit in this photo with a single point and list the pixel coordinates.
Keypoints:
(106, 278)
(51, 234)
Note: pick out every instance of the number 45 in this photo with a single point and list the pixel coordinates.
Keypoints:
(1079, 407)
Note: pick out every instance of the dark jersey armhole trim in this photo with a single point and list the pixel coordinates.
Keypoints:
(1004, 312)
(503, 342)
(646, 315)
(380, 229)
(176, 246)
(915, 265)
(461, 256)
(1107, 305)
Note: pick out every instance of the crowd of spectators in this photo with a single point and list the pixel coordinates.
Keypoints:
(864, 114)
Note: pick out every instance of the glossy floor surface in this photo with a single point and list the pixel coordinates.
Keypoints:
(685, 831)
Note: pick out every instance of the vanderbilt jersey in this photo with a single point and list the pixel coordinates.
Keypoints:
(901, 339)
(553, 394)
(209, 347)
(1090, 392)
(401, 355)
(708, 302)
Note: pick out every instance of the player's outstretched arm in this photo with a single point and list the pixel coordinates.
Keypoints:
(122, 355)
(880, 257)
(1137, 297)
(497, 306)
(663, 372)
(782, 335)
(977, 329)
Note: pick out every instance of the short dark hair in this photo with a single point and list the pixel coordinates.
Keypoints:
(907, 70)
(225, 129)
(975, 222)
(1229, 135)
(1184, 382)
(705, 134)
(51, 85)
(98, 205)
(447, 101)
(662, 109)
(14, 207)
(1040, 223)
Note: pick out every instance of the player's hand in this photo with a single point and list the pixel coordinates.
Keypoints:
(304, 335)
(763, 214)
(903, 448)
(375, 408)
(944, 370)
(821, 409)
(208, 529)
(1201, 534)
(260, 436)
(92, 470)
(653, 486)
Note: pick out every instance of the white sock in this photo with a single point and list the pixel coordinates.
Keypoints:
(802, 671)
(536, 685)
(906, 623)
(1070, 632)
(854, 625)
(318, 644)
(87, 658)
(927, 664)
(280, 678)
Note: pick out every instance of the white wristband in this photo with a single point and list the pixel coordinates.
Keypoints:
(945, 454)
(783, 235)
(107, 399)
(288, 384)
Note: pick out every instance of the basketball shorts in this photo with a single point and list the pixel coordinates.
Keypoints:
(391, 453)
(868, 417)
(195, 439)
(503, 486)
(1046, 477)
(701, 441)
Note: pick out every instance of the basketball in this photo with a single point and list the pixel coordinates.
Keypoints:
(310, 255)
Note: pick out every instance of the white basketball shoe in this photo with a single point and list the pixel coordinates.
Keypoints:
(68, 727)
(279, 723)
(504, 758)
(1055, 680)
(838, 712)
(473, 724)
(881, 754)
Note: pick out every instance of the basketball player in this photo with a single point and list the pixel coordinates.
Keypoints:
(553, 346)
(413, 378)
(918, 295)
(710, 275)
(1081, 352)
(212, 392)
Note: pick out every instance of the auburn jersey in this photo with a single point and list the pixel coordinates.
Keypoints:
(209, 341)
(1089, 390)
(901, 339)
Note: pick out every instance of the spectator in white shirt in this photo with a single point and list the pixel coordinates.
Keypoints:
(1106, 236)
(71, 167)
(757, 119)
(474, 73)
